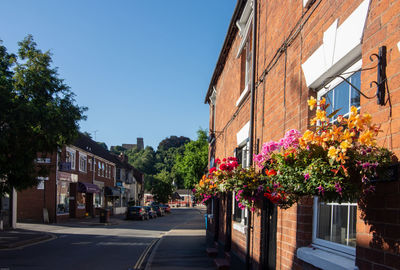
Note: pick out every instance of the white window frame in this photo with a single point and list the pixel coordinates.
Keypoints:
(82, 162)
(321, 243)
(241, 226)
(71, 158)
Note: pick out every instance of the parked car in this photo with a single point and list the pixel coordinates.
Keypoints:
(137, 212)
(166, 207)
(160, 211)
(151, 211)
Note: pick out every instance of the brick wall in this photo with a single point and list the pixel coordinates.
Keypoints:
(281, 104)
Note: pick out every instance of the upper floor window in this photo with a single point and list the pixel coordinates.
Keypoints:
(334, 224)
(244, 25)
(71, 157)
(82, 162)
(90, 164)
(98, 168)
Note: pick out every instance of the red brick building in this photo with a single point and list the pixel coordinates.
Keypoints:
(298, 49)
(83, 182)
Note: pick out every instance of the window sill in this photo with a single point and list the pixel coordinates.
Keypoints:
(239, 227)
(242, 96)
(325, 260)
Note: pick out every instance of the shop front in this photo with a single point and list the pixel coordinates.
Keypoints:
(63, 194)
(113, 199)
(82, 198)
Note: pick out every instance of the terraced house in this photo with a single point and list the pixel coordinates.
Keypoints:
(276, 55)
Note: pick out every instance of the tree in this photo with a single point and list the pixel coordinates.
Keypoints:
(103, 144)
(172, 141)
(193, 163)
(143, 160)
(162, 187)
(37, 114)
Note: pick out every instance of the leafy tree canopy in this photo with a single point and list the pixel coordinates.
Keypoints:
(193, 163)
(162, 187)
(103, 144)
(172, 141)
(37, 113)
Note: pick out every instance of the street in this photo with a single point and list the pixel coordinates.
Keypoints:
(80, 245)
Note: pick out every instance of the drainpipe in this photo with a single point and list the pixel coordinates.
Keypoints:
(251, 140)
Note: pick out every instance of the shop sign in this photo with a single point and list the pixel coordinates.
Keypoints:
(43, 160)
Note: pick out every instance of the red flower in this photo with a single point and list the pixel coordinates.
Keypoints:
(218, 161)
(270, 172)
(223, 167)
(213, 169)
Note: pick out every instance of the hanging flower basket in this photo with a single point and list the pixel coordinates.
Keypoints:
(335, 161)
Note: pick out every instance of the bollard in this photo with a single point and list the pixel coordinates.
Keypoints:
(205, 217)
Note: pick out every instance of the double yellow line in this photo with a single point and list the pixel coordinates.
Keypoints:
(139, 263)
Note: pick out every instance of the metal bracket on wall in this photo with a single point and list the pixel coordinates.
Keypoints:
(381, 77)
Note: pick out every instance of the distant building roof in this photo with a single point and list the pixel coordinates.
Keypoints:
(85, 143)
(184, 192)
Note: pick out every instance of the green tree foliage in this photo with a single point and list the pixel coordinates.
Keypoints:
(162, 187)
(37, 113)
(172, 142)
(117, 149)
(193, 163)
(143, 160)
(103, 144)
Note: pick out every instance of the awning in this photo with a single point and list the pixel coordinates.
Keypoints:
(112, 192)
(88, 188)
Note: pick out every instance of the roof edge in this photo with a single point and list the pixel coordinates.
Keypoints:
(232, 30)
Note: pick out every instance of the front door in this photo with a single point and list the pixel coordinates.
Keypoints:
(268, 235)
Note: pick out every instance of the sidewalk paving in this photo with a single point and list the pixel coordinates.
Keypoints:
(184, 247)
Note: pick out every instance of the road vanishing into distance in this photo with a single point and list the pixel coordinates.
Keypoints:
(89, 245)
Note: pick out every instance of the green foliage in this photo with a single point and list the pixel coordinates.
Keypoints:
(162, 187)
(117, 149)
(103, 144)
(193, 163)
(172, 142)
(37, 113)
(143, 160)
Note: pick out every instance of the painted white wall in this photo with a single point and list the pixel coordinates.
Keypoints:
(341, 45)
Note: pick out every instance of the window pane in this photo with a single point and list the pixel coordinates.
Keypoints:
(337, 223)
(324, 224)
(329, 100)
(355, 96)
(352, 226)
(342, 98)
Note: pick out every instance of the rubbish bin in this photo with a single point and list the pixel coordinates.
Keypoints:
(104, 215)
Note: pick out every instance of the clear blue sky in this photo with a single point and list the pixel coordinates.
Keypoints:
(141, 67)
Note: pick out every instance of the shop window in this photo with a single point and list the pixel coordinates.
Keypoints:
(81, 201)
(62, 197)
(82, 163)
(334, 224)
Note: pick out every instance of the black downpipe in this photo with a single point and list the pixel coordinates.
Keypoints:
(228, 235)
(251, 139)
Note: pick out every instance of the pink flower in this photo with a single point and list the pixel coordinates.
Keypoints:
(321, 190)
(307, 176)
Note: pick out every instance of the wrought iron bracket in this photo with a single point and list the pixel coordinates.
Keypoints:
(381, 77)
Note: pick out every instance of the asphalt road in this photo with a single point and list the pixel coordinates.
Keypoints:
(85, 246)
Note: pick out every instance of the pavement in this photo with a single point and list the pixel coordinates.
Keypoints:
(183, 247)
